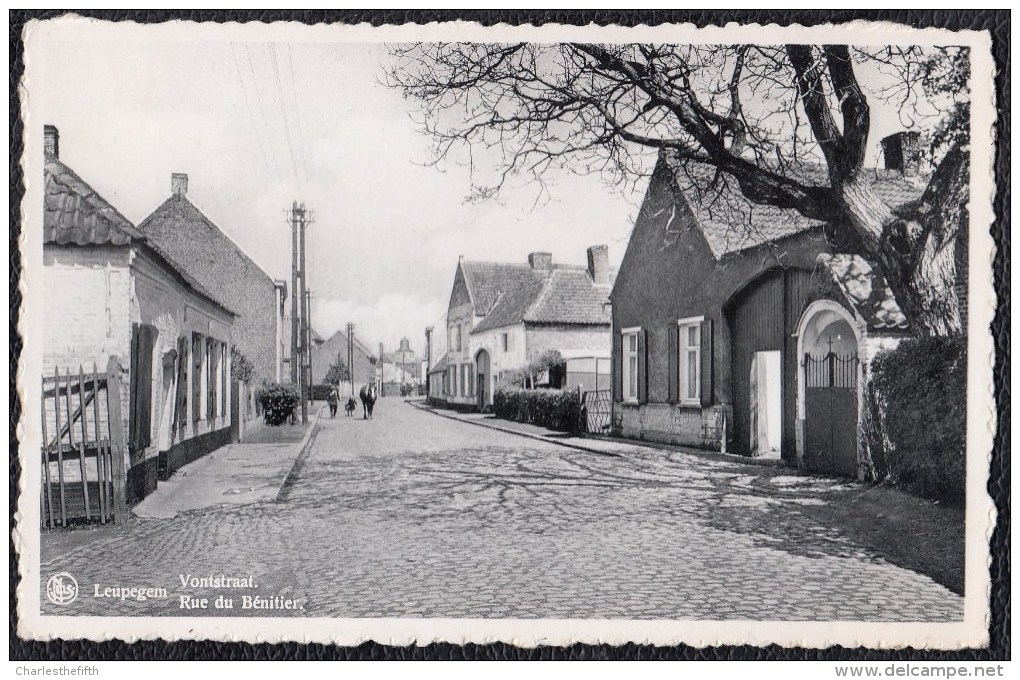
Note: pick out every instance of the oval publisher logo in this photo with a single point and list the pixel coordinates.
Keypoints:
(62, 588)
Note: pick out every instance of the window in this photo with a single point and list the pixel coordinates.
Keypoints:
(456, 339)
(689, 360)
(453, 380)
(630, 364)
(470, 371)
(506, 342)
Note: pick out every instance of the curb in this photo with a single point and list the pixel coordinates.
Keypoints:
(714, 455)
(302, 450)
(528, 435)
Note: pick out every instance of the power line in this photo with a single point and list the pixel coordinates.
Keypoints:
(283, 107)
(297, 110)
(258, 96)
(251, 114)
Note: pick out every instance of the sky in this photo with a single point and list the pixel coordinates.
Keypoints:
(259, 125)
(387, 231)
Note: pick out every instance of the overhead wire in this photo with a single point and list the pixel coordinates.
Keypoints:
(270, 168)
(258, 97)
(297, 111)
(283, 107)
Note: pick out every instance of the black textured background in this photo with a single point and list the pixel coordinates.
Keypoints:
(996, 22)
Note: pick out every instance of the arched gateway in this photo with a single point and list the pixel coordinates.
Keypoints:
(829, 385)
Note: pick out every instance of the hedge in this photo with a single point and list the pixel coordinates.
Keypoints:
(920, 391)
(555, 409)
(278, 402)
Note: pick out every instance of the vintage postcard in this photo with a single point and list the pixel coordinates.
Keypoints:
(538, 334)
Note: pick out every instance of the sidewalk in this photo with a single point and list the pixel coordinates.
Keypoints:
(607, 446)
(237, 474)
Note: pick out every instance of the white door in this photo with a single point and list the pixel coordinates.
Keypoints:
(766, 392)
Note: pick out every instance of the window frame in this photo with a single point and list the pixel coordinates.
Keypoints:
(625, 371)
(683, 352)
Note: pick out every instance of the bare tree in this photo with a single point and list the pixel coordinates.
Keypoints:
(754, 113)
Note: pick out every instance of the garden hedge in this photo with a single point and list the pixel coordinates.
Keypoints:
(555, 409)
(920, 389)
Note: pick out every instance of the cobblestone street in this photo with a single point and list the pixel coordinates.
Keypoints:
(415, 515)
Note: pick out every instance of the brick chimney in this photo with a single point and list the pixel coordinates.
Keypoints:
(598, 264)
(51, 142)
(179, 184)
(540, 261)
(902, 152)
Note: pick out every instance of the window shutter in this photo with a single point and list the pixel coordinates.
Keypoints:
(143, 412)
(180, 410)
(642, 371)
(617, 368)
(707, 363)
(134, 387)
(674, 363)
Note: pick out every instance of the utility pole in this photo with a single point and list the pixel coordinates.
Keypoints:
(306, 384)
(428, 358)
(382, 372)
(300, 328)
(350, 354)
(294, 297)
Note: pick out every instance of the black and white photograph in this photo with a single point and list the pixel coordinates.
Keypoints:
(543, 334)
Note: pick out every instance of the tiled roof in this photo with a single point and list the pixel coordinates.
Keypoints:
(76, 215)
(440, 365)
(866, 289)
(564, 294)
(486, 281)
(731, 223)
(570, 296)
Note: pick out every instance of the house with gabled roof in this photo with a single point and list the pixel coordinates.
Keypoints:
(504, 315)
(213, 258)
(737, 327)
(111, 292)
(334, 349)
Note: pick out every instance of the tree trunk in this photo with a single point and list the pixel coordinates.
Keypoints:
(915, 244)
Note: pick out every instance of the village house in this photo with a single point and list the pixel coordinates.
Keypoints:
(110, 292)
(334, 350)
(502, 316)
(737, 327)
(217, 262)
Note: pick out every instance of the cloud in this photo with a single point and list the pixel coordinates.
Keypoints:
(387, 320)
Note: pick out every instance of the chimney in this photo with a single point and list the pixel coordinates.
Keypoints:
(540, 261)
(902, 152)
(598, 264)
(179, 184)
(51, 142)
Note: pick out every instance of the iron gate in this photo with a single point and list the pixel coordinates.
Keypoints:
(830, 418)
(597, 411)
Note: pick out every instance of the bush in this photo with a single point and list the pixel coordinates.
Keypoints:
(321, 392)
(555, 409)
(920, 388)
(278, 402)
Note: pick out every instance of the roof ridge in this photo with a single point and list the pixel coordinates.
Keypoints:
(209, 223)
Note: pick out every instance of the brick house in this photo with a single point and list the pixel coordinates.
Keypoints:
(213, 259)
(504, 315)
(110, 292)
(327, 352)
(736, 326)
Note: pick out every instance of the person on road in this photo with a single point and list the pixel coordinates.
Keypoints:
(334, 401)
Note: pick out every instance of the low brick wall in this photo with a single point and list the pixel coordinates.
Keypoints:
(673, 424)
(191, 450)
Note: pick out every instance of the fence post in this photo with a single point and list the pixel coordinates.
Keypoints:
(113, 397)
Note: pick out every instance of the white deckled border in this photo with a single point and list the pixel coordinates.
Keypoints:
(981, 413)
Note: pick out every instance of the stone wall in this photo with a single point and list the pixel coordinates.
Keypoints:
(699, 427)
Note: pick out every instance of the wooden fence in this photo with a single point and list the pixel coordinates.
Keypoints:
(83, 476)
